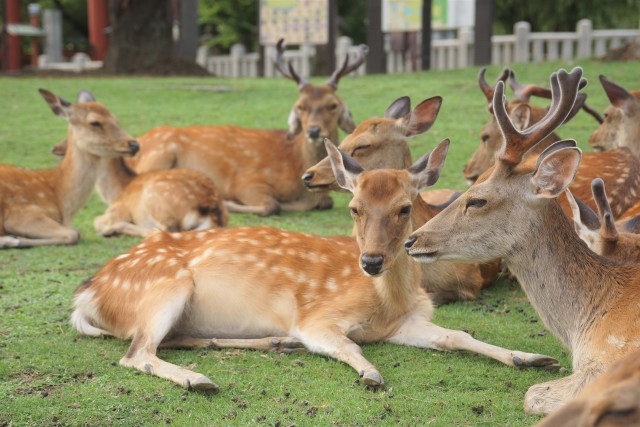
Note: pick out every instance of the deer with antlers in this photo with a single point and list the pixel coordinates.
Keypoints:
(589, 302)
(172, 200)
(266, 288)
(37, 206)
(379, 143)
(619, 168)
(258, 170)
(600, 232)
(621, 125)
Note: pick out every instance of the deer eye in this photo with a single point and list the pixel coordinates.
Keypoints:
(333, 106)
(405, 210)
(97, 125)
(485, 137)
(302, 108)
(360, 149)
(476, 203)
(354, 212)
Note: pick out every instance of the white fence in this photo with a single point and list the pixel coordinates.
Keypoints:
(522, 46)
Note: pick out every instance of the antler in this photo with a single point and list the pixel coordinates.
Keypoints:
(488, 89)
(348, 66)
(524, 92)
(287, 69)
(564, 90)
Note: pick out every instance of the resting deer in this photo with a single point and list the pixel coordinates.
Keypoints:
(37, 206)
(611, 400)
(621, 126)
(173, 200)
(258, 170)
(600, 231)
(589, 302)
(266, 288)
(619, 168)
(381, 143)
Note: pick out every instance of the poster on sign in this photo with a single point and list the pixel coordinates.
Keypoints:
(297, 21)
(401, 15)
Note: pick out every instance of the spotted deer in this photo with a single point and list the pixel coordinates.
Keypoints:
(621, 125)
(266, 288)
(258, 170)
(619, 168)
(37, 206)
(173, 200)
(382, 143)
(611, 400)
(600, 232)
(589, 302)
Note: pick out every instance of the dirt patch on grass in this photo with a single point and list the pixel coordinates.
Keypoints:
(31, 383)
(628, 52)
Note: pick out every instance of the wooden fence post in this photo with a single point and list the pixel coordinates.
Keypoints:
(522, 30)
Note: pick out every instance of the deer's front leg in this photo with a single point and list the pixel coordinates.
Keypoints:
(333, 343)
(546, 397)
(417, 331)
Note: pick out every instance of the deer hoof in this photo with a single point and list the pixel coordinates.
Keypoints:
(537, 361)
(372, 380)
(203, 383)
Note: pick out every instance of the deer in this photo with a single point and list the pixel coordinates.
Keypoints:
(600, 232)
(174, 200)
(379, 143)
(621, 125)
(612, 399)
(589, 302)
(257, 170)
(271, 289)
(619, 168)
(37, 206)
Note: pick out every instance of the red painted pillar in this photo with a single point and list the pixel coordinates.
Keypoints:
(98, 11)
(12, 9)
(34, 19)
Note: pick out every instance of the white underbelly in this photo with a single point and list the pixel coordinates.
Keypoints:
(226, 308)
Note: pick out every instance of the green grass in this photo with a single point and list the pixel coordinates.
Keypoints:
(51, 376)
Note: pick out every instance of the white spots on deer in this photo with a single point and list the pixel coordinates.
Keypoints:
(331, 284)
(116, 282)
(346, 272)
(156, 259)
(183, 272)
(126, 285)
(616, 342)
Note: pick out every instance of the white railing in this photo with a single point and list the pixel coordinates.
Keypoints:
(522, 46)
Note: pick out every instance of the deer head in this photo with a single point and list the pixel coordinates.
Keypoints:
(379, 143)
(491, 219)
(319, 111)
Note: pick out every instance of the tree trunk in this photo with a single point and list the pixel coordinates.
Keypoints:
(141, 39)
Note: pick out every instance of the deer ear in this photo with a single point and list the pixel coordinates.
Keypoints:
(423, 116)
(295, 127)
(618, 96)
(345, 168)
(59, 106)
(345, 121)
(521, 116)
(426, 171)
(398, 108)
(556, 168)
(585, 220)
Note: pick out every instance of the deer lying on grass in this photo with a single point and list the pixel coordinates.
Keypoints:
(258, 170)
(383, 143)
(619, 168)
(247, 286)
(36, 206)
(600, 231)
(590, 303)
(612, 399)
(621, 126)
(172, 200)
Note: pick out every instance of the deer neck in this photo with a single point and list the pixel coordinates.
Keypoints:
(113, 176)
(568, 285)
(398, 286)
(76, 178)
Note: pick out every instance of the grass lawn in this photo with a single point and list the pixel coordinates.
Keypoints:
(51, 376)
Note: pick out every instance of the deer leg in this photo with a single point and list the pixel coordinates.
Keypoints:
(545, 397)
(157, 315)
(419, 332)
(333, 343)
(308, 201)
(107, 228)
(256, 199)
(36, 230)
(272, 344)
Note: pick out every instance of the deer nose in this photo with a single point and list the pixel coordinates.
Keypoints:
(307, 177)
(409, 242)
(314, 132)
(134, 146)
(372, 264)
